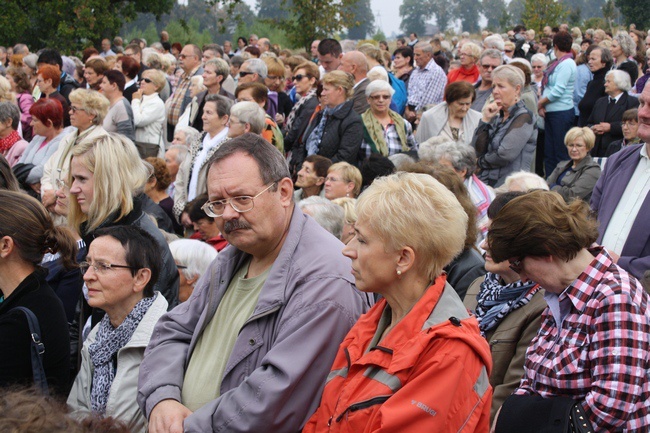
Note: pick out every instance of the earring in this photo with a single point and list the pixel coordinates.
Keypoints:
(399, 273)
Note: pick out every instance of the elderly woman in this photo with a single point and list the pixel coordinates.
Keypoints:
(259, 93)
(120, 272)
(21, 87)
(509, 313)
(605, 119)
(462, 159)
(105, 174)
(577, 177)
(468, 71)
(185, 135)
(305, 79)
(384, 131)
(87, 112)
(539, 63)
(412, 336)
(192, 110)
(192, 259)
(246, 116)
(556, 104)
(349, 209)
(336, 131)
(528, 94)
(590, 299)
(506, 136)
(452, 119)
(623, 48)
(12, 145)
(343, 180)
(599, 61)
(27, 232)
(149, 114)
(47, 124)
(191, 177)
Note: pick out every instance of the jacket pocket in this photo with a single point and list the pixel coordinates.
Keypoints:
(358, 417)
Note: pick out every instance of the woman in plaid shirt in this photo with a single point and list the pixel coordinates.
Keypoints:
(594, 342)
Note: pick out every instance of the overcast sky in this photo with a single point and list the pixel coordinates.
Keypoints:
(389, 15)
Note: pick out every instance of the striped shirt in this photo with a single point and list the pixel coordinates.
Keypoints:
(392, 141)
(599, 353)
(426, 86)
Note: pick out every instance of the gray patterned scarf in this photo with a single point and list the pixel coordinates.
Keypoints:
(108, 342)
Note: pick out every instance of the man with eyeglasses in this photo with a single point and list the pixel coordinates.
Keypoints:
(489, 60)
(250, 350)
(190, 62)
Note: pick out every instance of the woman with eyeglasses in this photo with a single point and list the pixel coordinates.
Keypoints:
(87, 111)
(577, 177)
(385, 132)
(343, 180)
(120, 272)
(305, 79)
(274, 81)
(149, 113)
(26, 234)
(594, 342)
(105, 175)
(539, 62)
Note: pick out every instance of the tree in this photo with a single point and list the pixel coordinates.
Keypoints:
(364, 20)
(414, 14)
(273, 9)
(445, 11)
(540, 13)
(635, 11)
(494, 11)
(72, 24)
(468, 11)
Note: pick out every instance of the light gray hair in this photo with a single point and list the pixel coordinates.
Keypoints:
(9, 110)
(327, 214)
(182, 149)
(258, 66)
(621, 79)
(512, 74)
(460, 155)
(194, 254)
(400, 160)
(539, 57)
(251, 113)
(491, 53)
(424, 46)
(627, 43)
(378, 86)
(191, 134)
(221, 67)
(495, 42)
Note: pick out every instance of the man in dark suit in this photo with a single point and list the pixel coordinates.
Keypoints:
(355, 63)
(622, 202)
(605, 119)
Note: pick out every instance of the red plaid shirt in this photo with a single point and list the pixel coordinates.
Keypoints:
(600, 353)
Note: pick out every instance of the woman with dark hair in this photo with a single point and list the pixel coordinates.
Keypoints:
(7, 178)
(21, 86)
(242, 42)
(452, 119)
(305, 79)
(594, 342)
(509, 313)
(556, 103)
(47, 122)
(403, 64)
(26, 233)
(120, 272)
(130, 67)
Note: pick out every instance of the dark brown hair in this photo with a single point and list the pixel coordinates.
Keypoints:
(540, 223)
(459, 90)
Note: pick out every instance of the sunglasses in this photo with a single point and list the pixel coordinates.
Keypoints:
(488, 67)
(378, 97)
(298, 77)
(244, 73)
(509, 51)
(146, 80)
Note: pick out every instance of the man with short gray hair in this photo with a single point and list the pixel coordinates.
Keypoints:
(253, 70)
(489, 60)
(427, 82)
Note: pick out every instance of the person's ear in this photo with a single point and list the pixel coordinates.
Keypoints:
(406, 259)
(141, 279)
(285, 186)
(320, 180)
(7, 245)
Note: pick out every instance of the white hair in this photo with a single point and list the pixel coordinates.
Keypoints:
(194, 254)
(522, 181)
(495, 42)
(621, 79)
(328, 215)
(378, 86)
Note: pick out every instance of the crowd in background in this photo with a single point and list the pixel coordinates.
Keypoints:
(172, 220)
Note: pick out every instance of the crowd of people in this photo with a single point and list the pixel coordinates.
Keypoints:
(245, 238)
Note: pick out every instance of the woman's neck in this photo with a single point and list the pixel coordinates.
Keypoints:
(7, 133)
(12, 272)
(51, 133)
(404, 294)
(620, 59)
(157, 196)
(214, 132)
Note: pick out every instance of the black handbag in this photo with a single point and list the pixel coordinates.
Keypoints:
(37, 350)
(536, 414)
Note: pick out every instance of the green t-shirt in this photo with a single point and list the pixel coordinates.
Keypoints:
(213, 348)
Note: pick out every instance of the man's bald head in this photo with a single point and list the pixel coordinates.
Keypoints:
(355, 63)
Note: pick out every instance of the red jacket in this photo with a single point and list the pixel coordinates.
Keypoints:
(429, 374)
(462, 74)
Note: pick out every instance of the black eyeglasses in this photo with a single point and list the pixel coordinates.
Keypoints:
(146, 80)
(244, 73)
(298, 77)
(517, 265)
(488, 67)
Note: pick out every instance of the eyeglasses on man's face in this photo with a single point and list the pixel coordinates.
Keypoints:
(240, 204)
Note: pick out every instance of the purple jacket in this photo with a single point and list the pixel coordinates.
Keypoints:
(635, 257)
(281, 358)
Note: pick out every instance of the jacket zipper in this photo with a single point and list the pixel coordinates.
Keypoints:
(363, 405)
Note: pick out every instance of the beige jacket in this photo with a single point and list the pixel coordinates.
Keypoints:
(508, 343)
(124, 390)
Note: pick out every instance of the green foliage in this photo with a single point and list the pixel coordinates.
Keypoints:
(496, 13)
(261, 27)
(363, 20)
(583, 8)
(468, 12)
(635, 11)
(575, 17)
(595, 23)
(610, 13)
(379, 36)
(69, 24)
(273, 9)
(540, 13)
(415, 14)
(445, 12)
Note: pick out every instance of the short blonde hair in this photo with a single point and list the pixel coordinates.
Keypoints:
(157, 77)
(512, 74)
(473, 49)
(349, 173)
(340, 79)
(349, 208)
(92, 102)
(6, 95)
(415, 210)
(585, 133)
(118, 174)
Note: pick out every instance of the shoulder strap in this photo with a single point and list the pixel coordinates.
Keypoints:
(37, 350)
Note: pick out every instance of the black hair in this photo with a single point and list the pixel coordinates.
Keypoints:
(50, 56)
(375, 166)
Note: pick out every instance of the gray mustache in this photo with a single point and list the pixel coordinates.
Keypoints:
(231, 225)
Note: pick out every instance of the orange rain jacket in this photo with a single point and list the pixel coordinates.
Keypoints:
(429, 374)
